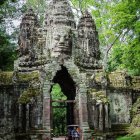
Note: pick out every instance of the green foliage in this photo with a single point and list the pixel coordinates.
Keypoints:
(56, 93)
(127, 19)
(126, 14)
(39, 6)
(118, 23)
(82, 4)
(131, 57)
(135, 136)
(7, 53)
(125, 138)
(115, 58)
(7, 45)
(59, 114)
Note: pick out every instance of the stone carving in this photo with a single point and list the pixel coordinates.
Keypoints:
(88, 43)
(31, 42)
(59, 25)
(26, 33)
(60, 36)
(98, 110)
(61, 43)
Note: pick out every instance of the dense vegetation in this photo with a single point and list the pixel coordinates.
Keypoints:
(6, 48)
(59, 110)
(118, 23)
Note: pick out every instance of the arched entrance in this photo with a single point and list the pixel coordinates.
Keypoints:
(73, 85)
(65, 104)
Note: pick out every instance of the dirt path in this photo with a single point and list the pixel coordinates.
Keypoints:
(60, 138)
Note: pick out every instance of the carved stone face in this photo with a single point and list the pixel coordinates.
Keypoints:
(61, 43)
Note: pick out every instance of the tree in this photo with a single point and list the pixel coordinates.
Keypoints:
(39, 7)
(118, 23)
(6, 52)
(127, 19)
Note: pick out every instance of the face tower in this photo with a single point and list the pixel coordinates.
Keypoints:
(60, 25)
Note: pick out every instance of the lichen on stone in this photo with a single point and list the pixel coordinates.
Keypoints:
(27, 95)
(135, 112)
(33, 90)
(26, 77)
(99, 96)
(98, 76)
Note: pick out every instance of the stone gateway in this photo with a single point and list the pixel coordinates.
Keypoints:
(62, 52)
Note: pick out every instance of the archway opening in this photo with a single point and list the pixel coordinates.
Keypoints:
(64, 102)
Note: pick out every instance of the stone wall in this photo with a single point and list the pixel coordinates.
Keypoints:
(7, 109)
(119, 90)
(122, 92)
(120, 105)
(20, 104)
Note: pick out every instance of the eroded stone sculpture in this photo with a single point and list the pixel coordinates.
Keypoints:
(88, 43)
(26, 39)
(60, 25)
(31, 42)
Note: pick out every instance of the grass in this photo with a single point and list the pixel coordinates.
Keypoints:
(135, 136)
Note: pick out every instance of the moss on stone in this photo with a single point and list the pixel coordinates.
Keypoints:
(118, 79)
(6, 78)
(99, 96)
(135, 125)
(98, 76)
(136, 82)
(92, 90)
(34, 86)
(26, 77)
(136, 108)
(27, 95)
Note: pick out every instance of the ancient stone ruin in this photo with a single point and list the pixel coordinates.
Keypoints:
(68, 54)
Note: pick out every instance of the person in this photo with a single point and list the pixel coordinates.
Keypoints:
(75, 134)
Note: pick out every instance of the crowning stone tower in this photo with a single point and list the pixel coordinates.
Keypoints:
(88, 43)
(31, 44)
(60, 25)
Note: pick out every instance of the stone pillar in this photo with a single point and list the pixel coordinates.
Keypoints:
(20, 118)
(106, 117)
(83, 114)
(96, 116)
(101, 119)
(76, 114)
(27, 117)
(36, 118)
(46, 111)
(36, 113)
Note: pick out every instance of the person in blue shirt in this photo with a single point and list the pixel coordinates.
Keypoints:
(75, 134)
